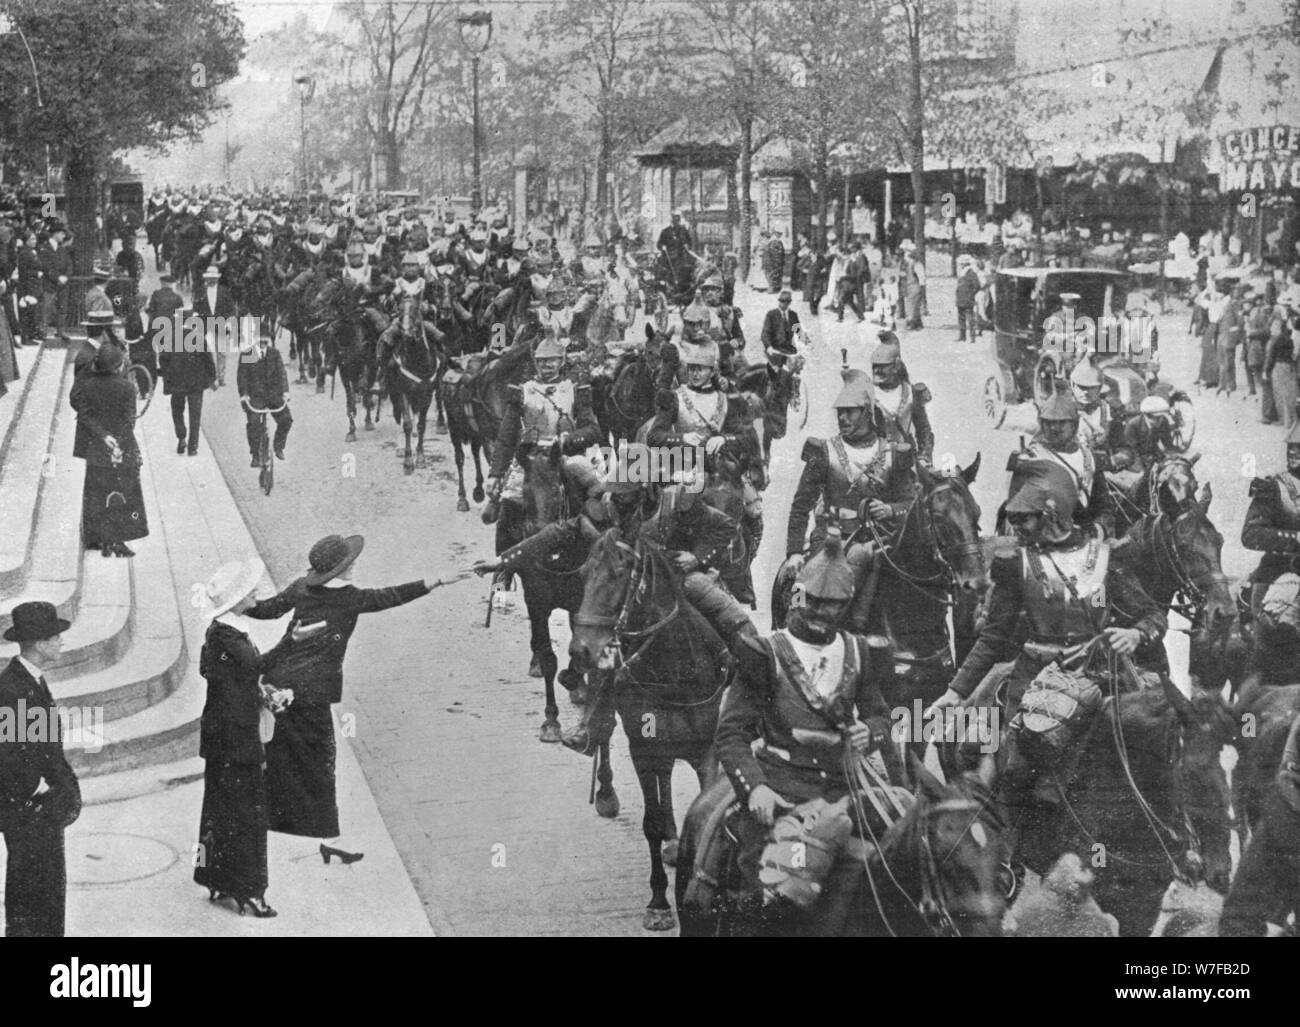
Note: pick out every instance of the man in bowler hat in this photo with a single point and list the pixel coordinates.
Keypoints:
(39, 794)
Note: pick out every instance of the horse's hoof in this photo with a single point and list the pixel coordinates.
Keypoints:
(607, 805)
(419, 461)
(350, 437)
(369, 426)
(408, 467)
(440, 428)
(669, 852)
(550, 732)
(535, 668)
(320, 388)
(479, 495)
(659, 920)
(462, 505)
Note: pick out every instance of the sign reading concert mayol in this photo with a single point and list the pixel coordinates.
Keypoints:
(1265, 158)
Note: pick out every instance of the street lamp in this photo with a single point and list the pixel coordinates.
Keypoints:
(306, 90)
(476, 34)
(8, 27)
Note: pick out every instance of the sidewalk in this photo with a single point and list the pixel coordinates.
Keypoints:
(129, 856)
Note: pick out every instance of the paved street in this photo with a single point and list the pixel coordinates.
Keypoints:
(493, 826)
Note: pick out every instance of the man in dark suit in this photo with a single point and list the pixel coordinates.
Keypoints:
(212, 300)
(187, 368)
(56, 266)
(781, 325)
(264, 384)
(39, 794)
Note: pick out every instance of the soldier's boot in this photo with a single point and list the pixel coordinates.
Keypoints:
(509, 531)
(596, 725)
(719, 608)
(862, 558)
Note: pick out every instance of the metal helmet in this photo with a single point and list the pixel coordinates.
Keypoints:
(1293, 436)
(697, 312)
(714, 281)
(1085, 375)
(550, 347)
(1059, 407)
(828, 574)
(887, 351)
(857, 391)
(1046, 488)
(703, 352)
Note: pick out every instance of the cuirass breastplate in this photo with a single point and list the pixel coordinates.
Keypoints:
(846, 488)
(545, 407)
(1289, 496)
(703, 412)
(1050, 605)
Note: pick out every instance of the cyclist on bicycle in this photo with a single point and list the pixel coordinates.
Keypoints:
(263, 384)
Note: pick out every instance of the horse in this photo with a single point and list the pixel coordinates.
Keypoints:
(934, 560)
(472, 391)
(936, 871)
(412, 373)
(1149, 803)
(1176, 558)
(671, 671)
(628, 399)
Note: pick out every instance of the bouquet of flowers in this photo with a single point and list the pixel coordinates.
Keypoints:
(277, 700)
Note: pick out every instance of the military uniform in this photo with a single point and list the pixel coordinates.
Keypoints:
(1273, 525)
(901, 415)
(786, 682)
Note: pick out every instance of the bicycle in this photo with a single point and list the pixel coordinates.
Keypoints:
(266, 472)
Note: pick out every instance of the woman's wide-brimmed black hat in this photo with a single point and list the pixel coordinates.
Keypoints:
(35, 621)
(331, 556)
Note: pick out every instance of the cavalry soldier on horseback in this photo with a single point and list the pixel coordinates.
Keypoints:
(698, 414)
(410, 284)
(1057, 441)
(806, 677)
(1061, 588)
(1094, 412)
(900, 404)
(777, 384)
(1273, 523)
(846, 477)
(548, 409)
(723, 327)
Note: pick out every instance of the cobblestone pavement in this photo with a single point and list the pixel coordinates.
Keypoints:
(493, 826)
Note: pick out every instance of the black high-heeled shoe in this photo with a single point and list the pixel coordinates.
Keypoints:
(106, 549)
(121, 549)
(258, 905)
(344, 857)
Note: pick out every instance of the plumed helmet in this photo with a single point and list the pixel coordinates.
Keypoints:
(887, 350)
(714, 281)
(549, 347)
(356, 246)
(1059, 407)
(411, 260)
(1293, 436)
(478, 235)
(314, 227)
(704, 352)
(857, 391)
(1154, 406)
(828, 574)
(1085, 375)
(520, 245)
(1044, 487)
(697, 311)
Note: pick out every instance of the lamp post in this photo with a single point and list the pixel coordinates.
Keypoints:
(476, 34)
(8, 27)
(306, 89)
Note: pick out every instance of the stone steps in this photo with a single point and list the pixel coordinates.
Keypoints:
(24, 468)
(13, 400)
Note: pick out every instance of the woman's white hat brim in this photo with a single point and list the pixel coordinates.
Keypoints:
(232, 582)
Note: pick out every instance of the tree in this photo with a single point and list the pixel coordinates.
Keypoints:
(118, 74)
(396, 43)
(603, 58)
(737, 75)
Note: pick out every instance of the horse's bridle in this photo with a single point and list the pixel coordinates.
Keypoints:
(945, 556)
(1195, 589)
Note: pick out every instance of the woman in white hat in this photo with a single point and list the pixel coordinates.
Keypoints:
(231, 857)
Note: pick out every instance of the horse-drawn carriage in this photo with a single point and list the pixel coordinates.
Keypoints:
(1047, 320)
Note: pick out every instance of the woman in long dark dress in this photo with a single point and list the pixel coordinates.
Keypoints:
(233, 823)
(300, 758)
(112, 502)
